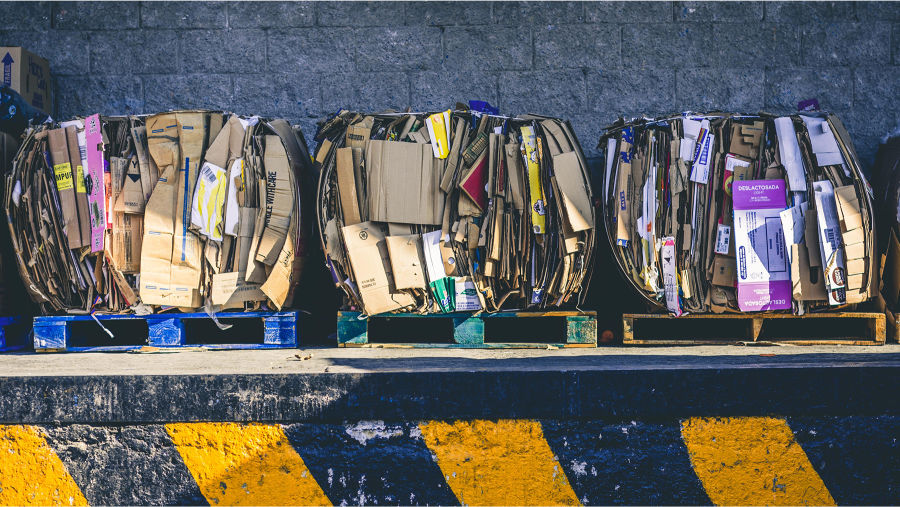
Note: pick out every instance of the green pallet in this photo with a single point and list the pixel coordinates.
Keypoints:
(468, 331)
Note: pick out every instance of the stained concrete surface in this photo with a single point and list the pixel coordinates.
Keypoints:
(365, 360)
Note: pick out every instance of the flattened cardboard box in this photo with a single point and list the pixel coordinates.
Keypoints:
(279, 203)
(368, 254)
(403, 183)
(29, 75)
(65, 185)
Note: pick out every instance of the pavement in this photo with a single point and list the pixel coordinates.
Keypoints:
(198, 361)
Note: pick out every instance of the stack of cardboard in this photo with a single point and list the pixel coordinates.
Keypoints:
(183, 209)
(886, 180)
(740, 213)
(454, 211)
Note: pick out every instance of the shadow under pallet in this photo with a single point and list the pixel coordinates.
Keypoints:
(845, 328)
(14, 333)
(80, 333)
(463, 330)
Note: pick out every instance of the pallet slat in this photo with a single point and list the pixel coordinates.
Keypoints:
(54, 333)
(865, 328)
(468, 331)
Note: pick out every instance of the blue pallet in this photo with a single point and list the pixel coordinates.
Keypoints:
(13, 334)
(53, 333)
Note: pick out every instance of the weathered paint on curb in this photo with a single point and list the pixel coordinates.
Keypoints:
(752, 461)
(31, 473)
(504, 462)
(738, 460)
(245, 464)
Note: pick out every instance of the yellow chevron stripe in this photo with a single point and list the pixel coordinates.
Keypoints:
(245, 464)
(506, 462)
(752, 461)
(31, 473)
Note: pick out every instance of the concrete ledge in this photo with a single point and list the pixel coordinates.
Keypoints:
(321, 427)
(411, 385)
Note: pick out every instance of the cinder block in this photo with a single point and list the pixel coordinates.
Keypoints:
(278, 95)
(810, 12)
(631, 92)
(846, 44)
(322, 49)
(57, 47)
(186, 91)
(134, 52)
(875, 92)
(785, 88)
(96, 15)
(560, 94)
(709, 45)
(25, 16)
(222, 51)
(356, 14)
(397, 48)
(538, 13)
(896, 39)
(718, 11)
(448, 13)
(183, 14)
(77, 95)
(271, 14)
(878, 11)
(595, 46)
(364, 91)
(728, 89)
(474, 49)
(436, 90)
(628, 12)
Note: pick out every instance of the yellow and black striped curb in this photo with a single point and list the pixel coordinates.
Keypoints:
(722, 461)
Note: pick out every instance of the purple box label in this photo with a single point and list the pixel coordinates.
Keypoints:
(759, 296)
(758, 194)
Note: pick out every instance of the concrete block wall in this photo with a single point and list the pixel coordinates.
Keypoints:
(586, 61)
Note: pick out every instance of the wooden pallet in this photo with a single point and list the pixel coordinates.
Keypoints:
(847, 328)
(82, 334)
(14, 333)
(464, 330)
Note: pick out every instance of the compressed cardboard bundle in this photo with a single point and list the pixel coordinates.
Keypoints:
(886, 179)
(724, 212)
(454, 211)
(184, 209)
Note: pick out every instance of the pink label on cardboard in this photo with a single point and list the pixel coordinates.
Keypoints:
(758, 194)
(96, 192)
(759, 296)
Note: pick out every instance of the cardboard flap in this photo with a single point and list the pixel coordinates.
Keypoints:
(474, 180)
(403, 183)
(576, 202)
(279, 203)
(369, 258)
(347, 186)
(406, 261)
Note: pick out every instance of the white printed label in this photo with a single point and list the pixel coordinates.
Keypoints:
(723, 239)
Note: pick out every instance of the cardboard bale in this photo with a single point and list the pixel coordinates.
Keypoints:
(782, 197)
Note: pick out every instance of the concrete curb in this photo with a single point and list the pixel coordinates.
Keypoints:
(740, 460)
